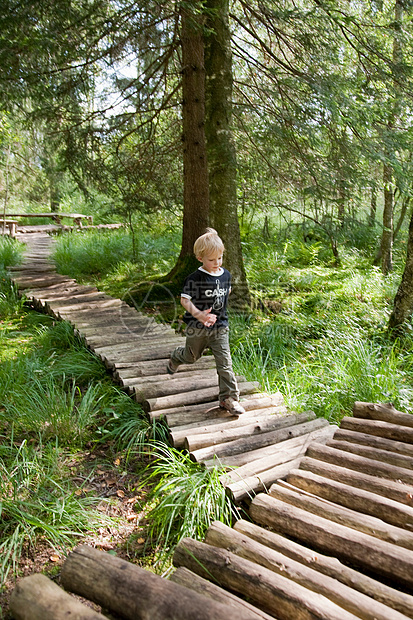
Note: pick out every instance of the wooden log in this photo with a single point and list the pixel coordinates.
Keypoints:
(286, 450)
(162, 376)
(247, 444)
(198, 441)
(177, 385)
(38, 598)
(240, 460)
(179, 433)
(136, 594)
(151, 368)
(63, 311)
(273, 593)
(249, 487)
(349, 517)
(40, 281)
(360, 463)
(377, 556)
(136, 355)
(142, 342)
(388, 510)
(269, 470)
(362, 606)
(398, 447)
(385, 412)
(330, 566)
(386, 456)
(194, 397)
(191, 414)
(381, 429)
(388, 488)
(187, 578)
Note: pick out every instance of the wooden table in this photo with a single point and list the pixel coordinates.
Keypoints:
(10, 224)
(56, 217)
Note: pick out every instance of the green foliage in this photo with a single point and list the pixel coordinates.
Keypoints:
(36, 503)
(10, 252)
(186, 497)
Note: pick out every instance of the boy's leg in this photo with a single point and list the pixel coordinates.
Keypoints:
(195, 344)
(219, 343)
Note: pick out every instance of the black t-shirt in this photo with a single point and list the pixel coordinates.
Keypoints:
(206, 290)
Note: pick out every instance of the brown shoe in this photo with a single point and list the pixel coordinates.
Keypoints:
(232, 405)
(171, 367)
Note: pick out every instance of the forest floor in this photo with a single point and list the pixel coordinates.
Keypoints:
(121, 501)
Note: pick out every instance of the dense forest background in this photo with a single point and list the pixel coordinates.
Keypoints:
(286, 125)
(295, 113)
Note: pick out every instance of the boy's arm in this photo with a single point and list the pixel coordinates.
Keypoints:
(203, 316)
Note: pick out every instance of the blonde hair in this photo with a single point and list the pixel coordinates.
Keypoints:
(208, 243)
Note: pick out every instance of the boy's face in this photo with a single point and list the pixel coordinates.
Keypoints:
(211, 262)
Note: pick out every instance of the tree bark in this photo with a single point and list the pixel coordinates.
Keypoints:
(137, 594)
(396, 491)
(360, 549)
(347, 598)
(38, 598)
(222, 162)
(362, 500)
(273, 593)
(330, 566)
(403, 301)
(196, 183)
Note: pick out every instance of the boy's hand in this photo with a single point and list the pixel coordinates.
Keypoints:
(208, 319)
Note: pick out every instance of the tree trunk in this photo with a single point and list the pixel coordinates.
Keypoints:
(386, 247)
(220, 146)
(134, 593)
(196, 192)
(403, 301)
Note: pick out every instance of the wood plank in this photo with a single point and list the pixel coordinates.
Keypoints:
(369, 553)
(241, 460)
(269, 591)
(392, 458)
(349, 517)
(381, 429)
(363, 500)
(194, 397)
(398, 447)
(136, 594)
(330, 566)
(179, 433)
(183, 415)
(394, 490)
(247, 444)
(38, 598)
(191, 580)
(176, 385)
(385, 412)
(360, 463)
(362, 606)
(280, 452)
(249, 487)
(148, 368)
(223, 435)
(163, 377)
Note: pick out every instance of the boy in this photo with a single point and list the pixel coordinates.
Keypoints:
(205, 297)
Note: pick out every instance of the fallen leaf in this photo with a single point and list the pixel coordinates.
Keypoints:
(120, 493)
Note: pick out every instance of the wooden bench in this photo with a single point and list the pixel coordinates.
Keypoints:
(57, 217)
(10, 224)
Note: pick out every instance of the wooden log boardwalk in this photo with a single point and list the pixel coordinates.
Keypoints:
(330, 528)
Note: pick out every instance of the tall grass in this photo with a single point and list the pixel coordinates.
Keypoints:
(186, 498)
